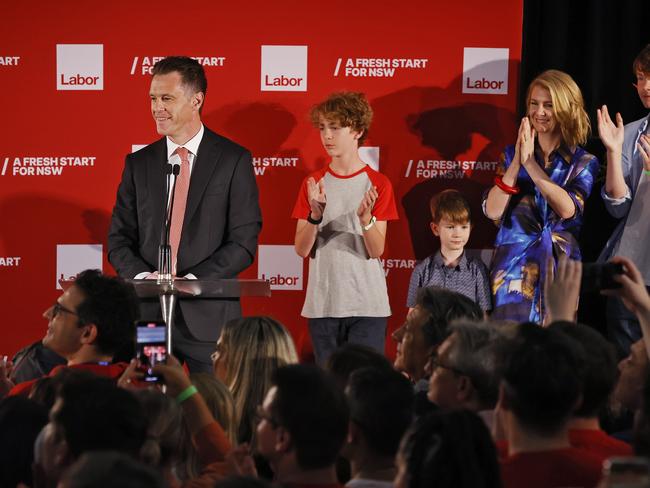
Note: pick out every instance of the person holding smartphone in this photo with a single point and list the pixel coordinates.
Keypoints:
(538, 196)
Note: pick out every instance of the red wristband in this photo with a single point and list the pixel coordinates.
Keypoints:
(510, 190)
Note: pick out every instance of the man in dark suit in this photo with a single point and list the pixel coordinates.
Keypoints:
(221, 220)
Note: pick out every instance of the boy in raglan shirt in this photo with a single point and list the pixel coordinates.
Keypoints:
(342, 211)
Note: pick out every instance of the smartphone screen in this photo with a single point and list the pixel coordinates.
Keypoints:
(151, 346)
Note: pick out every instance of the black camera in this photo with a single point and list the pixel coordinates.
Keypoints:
(600, 276)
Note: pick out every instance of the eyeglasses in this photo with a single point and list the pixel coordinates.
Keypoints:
(435, 363)
(260, 415)
(57, 308)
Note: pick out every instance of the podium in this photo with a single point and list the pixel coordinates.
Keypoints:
(169, 292)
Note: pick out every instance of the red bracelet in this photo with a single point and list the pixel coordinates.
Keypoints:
(510, 190)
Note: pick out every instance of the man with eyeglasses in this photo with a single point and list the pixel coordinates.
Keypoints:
(87, 325)
(427, 325)
(302, 425)
(466, 370)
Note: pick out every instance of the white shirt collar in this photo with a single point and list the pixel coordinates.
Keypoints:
(192, 145)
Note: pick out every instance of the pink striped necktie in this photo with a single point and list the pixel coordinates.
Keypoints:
(180, 201)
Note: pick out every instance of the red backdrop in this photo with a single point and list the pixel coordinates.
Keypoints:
(432, 127)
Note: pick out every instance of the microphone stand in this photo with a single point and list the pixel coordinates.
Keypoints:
(165, 275)
(164, 250)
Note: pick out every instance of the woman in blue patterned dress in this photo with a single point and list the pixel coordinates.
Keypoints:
(538, 196)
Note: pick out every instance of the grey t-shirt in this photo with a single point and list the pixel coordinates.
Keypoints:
(343, 280)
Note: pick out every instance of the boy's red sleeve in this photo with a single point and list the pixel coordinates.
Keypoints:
(385, 207)
(301, 209)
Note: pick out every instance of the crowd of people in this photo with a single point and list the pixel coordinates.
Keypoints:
(466, 403)
(494, 384)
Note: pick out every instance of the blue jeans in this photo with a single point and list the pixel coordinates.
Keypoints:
(330, 333)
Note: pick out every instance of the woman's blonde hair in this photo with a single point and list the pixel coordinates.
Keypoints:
(161, 446)
(220, 403)
(568, 105)
(254, 347)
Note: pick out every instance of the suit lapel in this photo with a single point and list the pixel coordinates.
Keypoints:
(204, 166)
(156, 181)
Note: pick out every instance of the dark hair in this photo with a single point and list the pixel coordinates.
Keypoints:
(450, 450)
(94, 414)
(452, 205)
(43, 392)
(102, 469)
(351, 357)
(45, 389)
(543, 378)
(642, 61)
(444, 306)
(191, 71)
(313, 409)
(112, 305)
(381, 404)
(20, 422)
(600, 367)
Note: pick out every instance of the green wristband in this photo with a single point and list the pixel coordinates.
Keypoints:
(646, 172)
(186, 393)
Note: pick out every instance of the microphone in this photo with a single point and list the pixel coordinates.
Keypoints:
(173, 168)
(174, 165)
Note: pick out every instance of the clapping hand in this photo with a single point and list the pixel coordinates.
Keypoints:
(317, 197)
(364, 212)
(610, 134)
(526, 141)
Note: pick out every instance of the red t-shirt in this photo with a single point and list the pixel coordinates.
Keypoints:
(384, 208)
(599, 443)
(596, 442)
(112, 370)
(569, 467)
